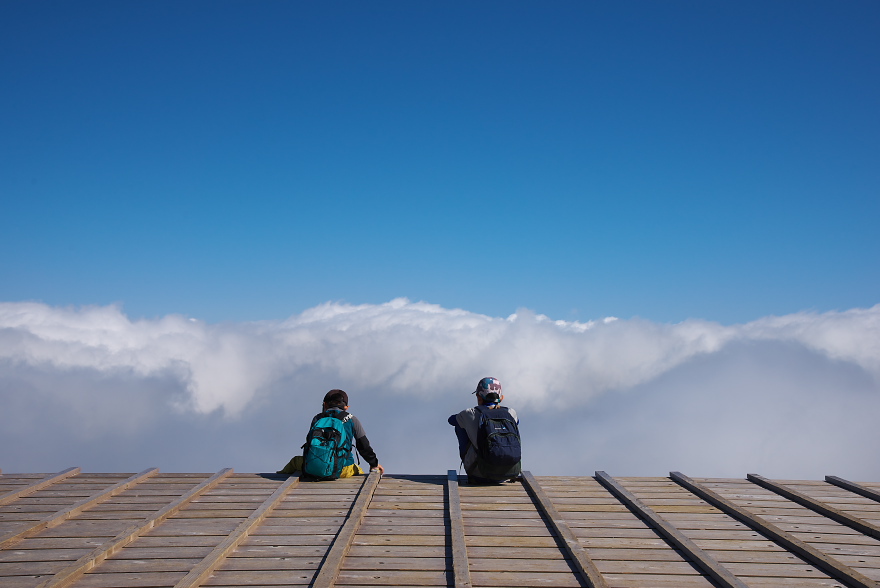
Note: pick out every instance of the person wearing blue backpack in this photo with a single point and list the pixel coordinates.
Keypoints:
(488, 437)
(327, 452)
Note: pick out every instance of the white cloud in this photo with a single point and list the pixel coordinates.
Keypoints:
(235, 384)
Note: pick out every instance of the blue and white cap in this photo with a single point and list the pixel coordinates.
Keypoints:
(489, 389)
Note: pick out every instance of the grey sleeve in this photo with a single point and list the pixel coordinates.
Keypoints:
(362, 443)
(357, 428)
(469, 421)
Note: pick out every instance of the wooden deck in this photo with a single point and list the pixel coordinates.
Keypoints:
(226, 529)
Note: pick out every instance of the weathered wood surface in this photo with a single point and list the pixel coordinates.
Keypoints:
(746, 511)
(60, 516)
(199, 573)
(398, 548)
(461, 569)
(27, 489)
(576, 554)
(821, 507)
(72, 572)
(861, 489)
(746, 553)
(701, 559)
(406, 537)
(329, 571)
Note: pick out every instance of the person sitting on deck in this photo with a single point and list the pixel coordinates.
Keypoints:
(351, 430)
(488, 437)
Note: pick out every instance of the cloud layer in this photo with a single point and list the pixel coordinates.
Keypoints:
(791, 396)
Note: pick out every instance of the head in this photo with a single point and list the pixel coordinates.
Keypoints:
(336, 399)
(489, 391)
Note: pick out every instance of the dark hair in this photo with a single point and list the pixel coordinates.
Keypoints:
(336, 398)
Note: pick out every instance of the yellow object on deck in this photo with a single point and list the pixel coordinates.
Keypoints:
(296, 464)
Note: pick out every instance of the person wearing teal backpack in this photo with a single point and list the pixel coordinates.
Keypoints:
(327, 452)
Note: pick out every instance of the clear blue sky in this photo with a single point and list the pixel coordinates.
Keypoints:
(236, 161)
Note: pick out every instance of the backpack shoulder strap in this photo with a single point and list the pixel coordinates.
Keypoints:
(506, 412)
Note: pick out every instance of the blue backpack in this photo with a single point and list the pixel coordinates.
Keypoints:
(327, 446)
(498, 445)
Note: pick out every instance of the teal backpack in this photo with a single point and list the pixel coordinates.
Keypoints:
(327, 446)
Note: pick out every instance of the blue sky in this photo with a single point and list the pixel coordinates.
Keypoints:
(231, 161)
(213, 212)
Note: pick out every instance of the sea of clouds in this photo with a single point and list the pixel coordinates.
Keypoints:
(794, 396)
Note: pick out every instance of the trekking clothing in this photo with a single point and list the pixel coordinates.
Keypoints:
(360, 439)
(467, 427)
(361, 443)
(328, 445)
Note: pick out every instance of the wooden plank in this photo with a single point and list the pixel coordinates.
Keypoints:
(788, 541)
(74, 571)
(404, 520)
(412, 551)
(405, 563)
(708, 564)
(326, 577)
(793, 583)
(39, 485)
(545, 579)
(401, 505)
(237, 579)
(88, 528)
(664, 581)
(293, 529)
(281, 511)
(497, 523)
(460, 565)
(260, 552)
(433, 497)
(39, 568)
(279, 540)
(483, 531)
(129, 580)
(284, 523)
(660, 567)
(260, 564)
(36, 555)
(584, 565)
(174, 563)
(853, 487)
(872, 551)
(644, 532)
(393, 577)
(817, 506)
(20, 581)
(206, 567)
(777, 570)
(62, 515)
